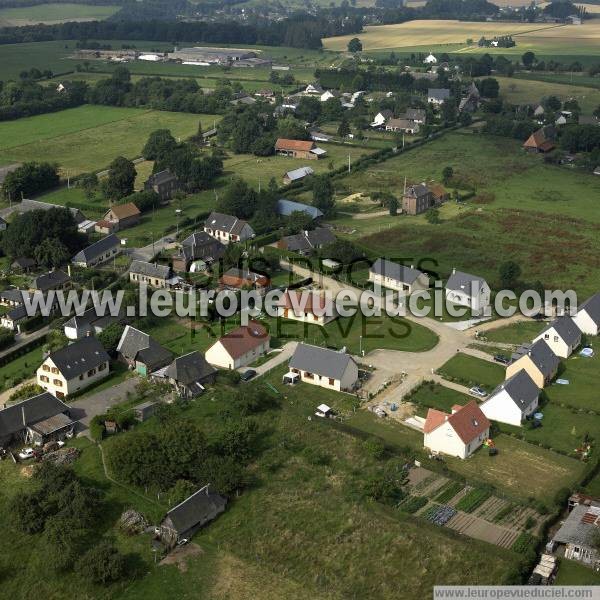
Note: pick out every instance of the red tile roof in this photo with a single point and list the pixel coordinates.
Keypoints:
(243, 339)
(468, 421)
(122, 211)
(434, 419)
(538, 140)
(302, 145)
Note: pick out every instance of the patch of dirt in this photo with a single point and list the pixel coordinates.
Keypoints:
(27, 471)
(180, 555)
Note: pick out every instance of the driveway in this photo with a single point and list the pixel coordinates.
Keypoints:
(148, 252)
(278, 358)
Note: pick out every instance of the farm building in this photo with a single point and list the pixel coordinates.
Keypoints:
(227, 228)
(578, 534)
(239, 347)
(209, 55)
(142, 352)
(403, 125)
(588, 316)
(197, 246)
(307, 242)
(188, 374)
(457, 434)
(562, 335)
(27, 205)
(468, 290)
(305, 149)
(237, 279)
(297, 175)
(99, 252)
(327, 368)
(285, 208)
(537, 359)
(513, 400)
(397, 277)
(541, 141)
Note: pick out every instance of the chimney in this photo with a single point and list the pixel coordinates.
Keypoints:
(412, 266)
(23, 416)
(454, 271)
(69, 269)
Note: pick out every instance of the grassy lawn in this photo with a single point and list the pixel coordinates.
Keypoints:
(469, 370)
(88, 137)
(515, 333)
(434, 395)
(571, 572)
(22, 367)
(584, 381)
(54, 13)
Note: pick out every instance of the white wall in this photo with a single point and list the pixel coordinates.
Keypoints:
(585, 323)
(68, 386)
(445, 440)
(501, 408)
(556, 343)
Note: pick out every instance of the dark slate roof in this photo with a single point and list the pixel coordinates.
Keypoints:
(566, 329)
(23, 262)
(14, 295)
(461, 281)
(91, 317)
(397, 272)
(541, 355)
(137, 345)
(415, 114)
(438, 93)
(150, 269)
(308, 240)
(521, 388)
(201, 507)
(201, 245)
(35, 409)
(161, 177)
(222, 222)
(320, 361)
(189, 368)
(97, 248)
(592, 307)
(418, 190)
(50, 280)
(79, 357)
(287, 207)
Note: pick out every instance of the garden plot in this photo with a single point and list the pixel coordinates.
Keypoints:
(480, 529)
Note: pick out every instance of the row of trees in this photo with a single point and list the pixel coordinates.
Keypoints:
(30, 178)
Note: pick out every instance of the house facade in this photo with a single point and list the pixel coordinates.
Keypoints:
(469, 290)
(141, 352)
(99, 252)
(323, 367)
(563, 336)
(397, 277)
(73, 368)
(152, 274)
(538, 360)
(304, 149)
(199, 246)
(227, 228)
(417, 199)
(588, 316)
(163, 183)
(307, 307)
(239, 347)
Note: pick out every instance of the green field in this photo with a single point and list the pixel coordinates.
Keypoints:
(524, 204)
(469, 371)
(54, 13)
(583, 375)
(516, 333)
(88, 137)
(571, 572)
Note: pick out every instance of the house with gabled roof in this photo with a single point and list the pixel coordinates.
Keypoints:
(142, 352)
(73, 368)
(227, 228)
(468, 290)
(397, 277)
(90, 322)
(403, 125)
(513, 401)
(307, 307)
(188, 374)
(306, 242)
(437, 95)
(305, 149)
(238, 279)
(331, 369)
(119, 216)
(457, 434)
(198, 246)
(381, 117)
(99, 252)
(35, 420)
(189, 516)
(562, 335)
(541, 141)
(163, 183)
(152, 274)
(578, 534)
(537, 359)
(239, 347)
(54, 280)
(418, 115)
(588, 316)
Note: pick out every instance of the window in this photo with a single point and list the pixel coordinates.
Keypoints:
(102, 367)
(91, 372)
(309, 375)
(45, 368)
(54, 370)
(81, 378)
(44, 378)
(556, 338)
(57, 382)
(331, 381)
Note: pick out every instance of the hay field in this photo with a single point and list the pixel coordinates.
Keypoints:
(53, 13)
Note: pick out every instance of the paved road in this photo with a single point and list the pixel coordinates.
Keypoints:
(148, 252)
(278, 358)
(25, 338)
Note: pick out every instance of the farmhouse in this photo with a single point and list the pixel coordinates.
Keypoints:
(185, 519)
(239, 347)
(188, 374)
(13, 318)
(541, 141)
(513, 400)
(381, 117)
(588, 316)
(227, 228)
(36, 420)
(99, 252)
(562, 336)
(457, 434)
(142, 352)
(402, 125)
(152, 274)
(579, 533)
(307, 150)
(119, 216)
(88, 323)
(286, 208)
(538, 360)
(237, 279)
(54, 280)
(314, 88)
(163, 183)
(73, 368)
(307, 242)
(297, 175)
(468, 290)
(199, 246)
(327, 368)
(397, 277)
(418, 115)
(307, 307)
(198, 55)
(437, 96)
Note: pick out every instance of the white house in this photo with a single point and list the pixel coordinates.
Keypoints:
(513, 400)
(458, 434)
(73, 368)
(437, 95)
(307, 307)
(227, 228)
(239, 347)
(381, 117)
(99, 252)
(327, 368)
(562, 335)
(397, 277)
(313, 88)
(328, 95)
(468, 290)
(588, 316)
(430, 60)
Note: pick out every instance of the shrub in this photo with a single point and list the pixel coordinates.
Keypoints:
(102, 564)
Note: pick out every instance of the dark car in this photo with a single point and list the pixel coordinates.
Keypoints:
(248, 375)
(503, 360)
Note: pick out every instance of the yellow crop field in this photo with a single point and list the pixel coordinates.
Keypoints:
(434, 35)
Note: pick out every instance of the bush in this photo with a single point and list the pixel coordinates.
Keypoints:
(102, 564)
(374, 447)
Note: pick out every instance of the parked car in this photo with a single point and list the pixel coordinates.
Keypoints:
(503, 360)
(26, 453)
(478, 391)
(248, 375)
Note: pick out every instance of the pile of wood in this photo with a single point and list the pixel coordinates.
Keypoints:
(64, 456)
(133, 522)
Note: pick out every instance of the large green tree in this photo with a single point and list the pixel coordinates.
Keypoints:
(121, 179)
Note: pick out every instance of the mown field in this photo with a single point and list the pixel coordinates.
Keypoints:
(513, 216)
(434, 35)
(88, 137)
(54, 13)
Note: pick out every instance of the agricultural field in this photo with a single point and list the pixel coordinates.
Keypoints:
(513, 214)
(451, 36)
(88, 137)
(54, 13)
